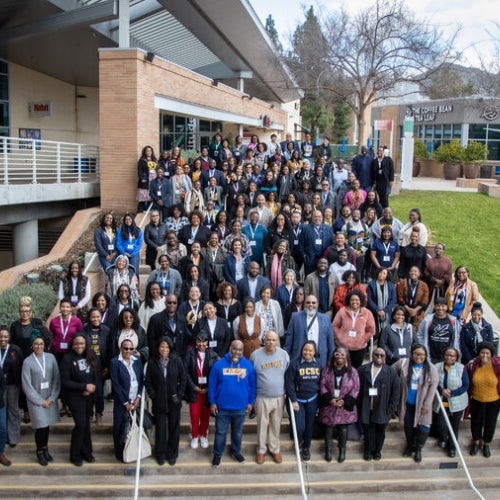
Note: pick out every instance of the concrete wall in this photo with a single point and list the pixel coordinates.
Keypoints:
(73, 119)
(129, 120)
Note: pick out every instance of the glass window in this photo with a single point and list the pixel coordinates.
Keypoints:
(477, 131)
(457, 131)
(438, 132)
(166, 123)
(447, 132)
(493, 132)
(204, 126)
(216, 127)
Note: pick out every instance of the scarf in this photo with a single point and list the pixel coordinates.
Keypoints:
(276, 274)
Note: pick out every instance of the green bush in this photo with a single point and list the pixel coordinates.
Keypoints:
(420, 150)
(475, 151)
(44, 300)
(450, 152)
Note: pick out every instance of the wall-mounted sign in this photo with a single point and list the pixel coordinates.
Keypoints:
(27, 136)
(428, 113)
(383, 125)
(40, 108)
(266, 121)
(490, 113)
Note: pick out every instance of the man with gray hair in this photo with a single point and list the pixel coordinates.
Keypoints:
(270, 363)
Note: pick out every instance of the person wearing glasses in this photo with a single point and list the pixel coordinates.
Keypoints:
(309, 324)
(379, 393)
(127, 381)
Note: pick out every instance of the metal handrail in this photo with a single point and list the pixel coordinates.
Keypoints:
(457, 446)
(297, 450)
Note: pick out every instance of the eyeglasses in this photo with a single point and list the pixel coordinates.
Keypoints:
(127, 348)
(313, 302)
(25, 311)
(172, 302)
(379, 355)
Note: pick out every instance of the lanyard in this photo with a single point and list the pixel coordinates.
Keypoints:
(2, 359)
(253, 231)
(309, 326)
(387, 247)
(42, 368)
(412, 290)
(164, 278)
(200, 361)
(195, 311)
(401, 334)
(354, 317)
(64, 331)
(375, 374)
(318, 231)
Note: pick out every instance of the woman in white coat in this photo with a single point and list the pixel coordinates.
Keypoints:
(270, 313)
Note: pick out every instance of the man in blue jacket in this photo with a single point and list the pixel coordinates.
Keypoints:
(231, 394)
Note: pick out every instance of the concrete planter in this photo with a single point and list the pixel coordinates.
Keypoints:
(430, 168)
(451, 171)
(471, 170)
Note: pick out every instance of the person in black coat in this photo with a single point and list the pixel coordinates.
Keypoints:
(166, 384)
(194, 231)
(98, 336)
(378, 398)
(218, 332)
(127, 381)
(155, 234)
(79, 375)
(198, 362)
(171, 324)
(383, 176)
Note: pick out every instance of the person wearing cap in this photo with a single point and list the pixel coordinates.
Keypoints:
(484, 392)
(270, 363)
(438, 331)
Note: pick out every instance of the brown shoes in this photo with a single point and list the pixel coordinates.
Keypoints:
(277, 458)
(98, 419)
(260, 458)
(4, 460)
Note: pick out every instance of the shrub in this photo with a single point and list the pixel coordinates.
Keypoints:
(450, 152)
(44, 300)
(475, 151)
(419, 150)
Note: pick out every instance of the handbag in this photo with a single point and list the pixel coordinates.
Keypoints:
(131, 448)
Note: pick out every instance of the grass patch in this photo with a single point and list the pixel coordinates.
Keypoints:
(469, 225)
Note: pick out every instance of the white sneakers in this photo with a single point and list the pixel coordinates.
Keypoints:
(194, 443)
(204, 442)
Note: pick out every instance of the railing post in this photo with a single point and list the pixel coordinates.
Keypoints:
(58, 163)
(33, 155)
(5, 161)
(79, 163)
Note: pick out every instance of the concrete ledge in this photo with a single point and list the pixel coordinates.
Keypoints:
(77, 226)
(491, 189)
(472, 183)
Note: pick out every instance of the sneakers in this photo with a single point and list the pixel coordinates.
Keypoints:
(216, 461)
(204, 442)
(238, 457)
(194, 443)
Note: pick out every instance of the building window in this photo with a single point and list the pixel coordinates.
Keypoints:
(435, 135)
(4, 99)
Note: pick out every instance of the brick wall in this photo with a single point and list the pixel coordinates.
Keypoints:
(128, 119)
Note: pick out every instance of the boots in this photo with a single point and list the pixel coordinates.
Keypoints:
(410, 442)
(4, 460)
(48, 456)
(329, 444)
(42, 459)
(421, 439)
(342, 438)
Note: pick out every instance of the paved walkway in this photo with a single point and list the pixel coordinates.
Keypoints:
(435, 184)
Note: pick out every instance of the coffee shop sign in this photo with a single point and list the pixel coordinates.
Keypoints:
(429, 113)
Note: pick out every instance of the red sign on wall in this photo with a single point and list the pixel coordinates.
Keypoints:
(383, 125)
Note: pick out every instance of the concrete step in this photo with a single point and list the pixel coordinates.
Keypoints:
(437, 476)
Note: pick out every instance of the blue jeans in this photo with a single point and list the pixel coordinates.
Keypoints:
(3, 428)
(304, 420)
(225, 417)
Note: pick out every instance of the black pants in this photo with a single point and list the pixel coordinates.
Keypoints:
(81, 409)
(357, 357)
(42, 437)
(483, 419)
(167, 433)
(444, 434)
(374, 436)
(383, 196)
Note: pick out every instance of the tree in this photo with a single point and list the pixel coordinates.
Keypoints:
(306, 60)
(371, 53)
(448, 82)
(342, 121)
(270, 27)
(489, 78)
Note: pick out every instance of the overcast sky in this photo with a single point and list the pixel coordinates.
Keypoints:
(473, 15)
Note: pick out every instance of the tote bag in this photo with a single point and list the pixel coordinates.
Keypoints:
(132, 443)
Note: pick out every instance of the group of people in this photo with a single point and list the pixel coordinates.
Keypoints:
(272, 286)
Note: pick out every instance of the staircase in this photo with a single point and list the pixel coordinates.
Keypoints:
(436, 477)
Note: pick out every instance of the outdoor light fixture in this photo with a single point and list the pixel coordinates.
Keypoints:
(149, 57)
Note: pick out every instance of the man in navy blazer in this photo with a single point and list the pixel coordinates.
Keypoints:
(310, 325)
(252, 283)
(316, 238)
(212, 172)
